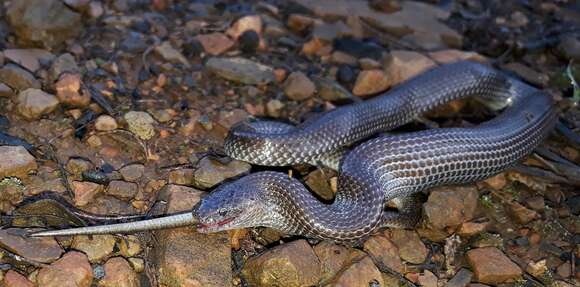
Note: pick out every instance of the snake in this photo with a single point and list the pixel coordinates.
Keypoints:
(375, 165)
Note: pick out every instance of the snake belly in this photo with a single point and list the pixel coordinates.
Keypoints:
(391, 166)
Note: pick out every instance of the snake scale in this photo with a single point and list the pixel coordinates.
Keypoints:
(375, 170)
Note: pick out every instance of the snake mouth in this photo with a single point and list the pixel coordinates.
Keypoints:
(204, 228)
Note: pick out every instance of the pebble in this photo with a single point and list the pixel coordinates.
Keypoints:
(76, 166)
(106, 123)
(360, 273)
(18, 78)
(371, 82)
(450, 207)
(345, 75)
(210, 172)
(183, 176)
(274, 108)
(403, 65)
(85, 192)
(132, 172)
(122, 190)
(452, 55)
(328, 32)
(461, 278)
(521, 214)
(290, 264)
(46, 23)
(118, 273)
(468, 229)
(69, 92)
(342, 58)
(369, 64)
(298, 22)
(96, 247)
(30, 59)
(569, 48)
(333, 258)
(5, 91)
(249, 41)
(536, 203)
(170, 54)
(244, 24)
(299, 87)
(241, 70)
(33, 103)
(330, 90)
(16, 161)
(138, 264)
(491, 266)
(141, 124)
(318, 182)
(564, 270)
(64, 63)
(73, 269)
(427, 279)
(384, 251)
(215, 43)
(129, 246)
(15, 279)
(411, 248)
(38, 249)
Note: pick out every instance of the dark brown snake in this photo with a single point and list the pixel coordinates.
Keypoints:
(387, 167)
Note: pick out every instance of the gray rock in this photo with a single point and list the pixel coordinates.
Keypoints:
(16, 161)
(461, 279)
(5, 91)
(569, 48)
(330, 90)
(30, 59)
(65, 63)
(18, 78)
(33, 103)
(210, 172)
(44, 23)
(241, 70)
(44, 250)
(122, 189)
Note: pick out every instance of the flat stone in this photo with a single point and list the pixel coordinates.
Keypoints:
(491, 266)
(122, 190)
(468, 229)
(96, 247)
(402, 65)
(371, 82)
(118, 273)
(6, 91)
(521, 214)
(361, 273)
(183, 176)
(452, 55)
(65, 63)
(39, 249)
(18, 78)
(384, 251)
(290, 264)
(411, 248)
(132, 172)
(106, 123)
(85, 192)
(299, 87)
(342, 58)
(170, 54)
(245, 23)
(449, 207)
(210, 172)
(461, 278)
(330, 90)
(369, 64)
(72, 270)
(44, 23)
(69, 92)
(187, 258)
(13, 278)
(241, 70)
(215, 43)
(33, 103)
(141, 124)
(30, 59)
(16, 161)
(427, 279)
(333, 258)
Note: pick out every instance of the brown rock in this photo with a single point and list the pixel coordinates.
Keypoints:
(537, 269)
(384, 251)
(69, 92)
(96, 247)
(411, 248)
(328, 32)
(170, 54)
(452, 55)
(387, 6)
(427, 279)
(536, 203)
(228, 119)
(39, 249)
(132, 172)
(564, 270)
(521, 214)
(318, 182)
(403, 65)
(33, 103)
(274, 108)
(330, 90)
(316, 47)
(241, 70)
(299, 23)
(18, 78)
(15, 279)
(187, 258)
(210, 172)
(106, 123)
(449, 207)
(370, 82)
(333, 258)
(215, 43)
(182, 176)
(16, 161)
(85, 192)
(129, 246)
(122, 190)
(30, 59)
(361, 273)
(76, 166)
(64, 63)
(299, 87)
(497, 182)
(468, 229)
(491, 266)
(6, 91)
(290, 264)
(246, 23)
(342, 58)
(369, 64)
(72, 270)
(118, 273)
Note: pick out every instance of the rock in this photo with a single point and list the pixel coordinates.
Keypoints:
(491, 266)
(564, 270)
(315, 47)
(345, 75)
(72, 270)
(64, 63)
(371, 82)
(468, 229)
(182, 176)
(185, 257)
(537, 269)
(403, 65)
(76, 166)
(246, 23)
(536, 203)
(11, 193)
(141, 124)
(411, 248)
(170, 54)
(38, 249)
(427, 30)
(85, 192)
(527, 74)
(290, 264)
(16, 161)
(461, 278)
(449, 207)
(569, 48)
(318, 182)
(96, 247)
(138, 264)
(328, 32)
(106, 123)
(118, 273)
(274, 107)
(15, 279)
(5, 91)
(96, 9)
(384, 251)
(427, 279)
(330, 90)
(361, 273)
(129, 246)
(342, 58)
(386, 6)
(497, 182)
(453, 55)
(122, 190)
(215, 43)
(44, 23)
(333, 258)
(369, 64)
(299, 23)
(299, 87)
(68, 91)
(33, 103)
(132, 172)
(210, 172)
(521, 214)
(249, 41)
(30, 59)
(241, 70)
(77, 5)
(18, 78)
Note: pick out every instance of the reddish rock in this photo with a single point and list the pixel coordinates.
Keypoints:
(215, 43)
(411, 248)
(299, 23)
(468, 229)
(361, 273)
(449, 207)
(69, 92)
(400, 66)
(491, 266)
(118, 273)
(28, 58)
(427, 279)
(497, 182)
(122, 189)
(85, 192)
(384, 251)
(371, 82)
(72, 270)
(96, 247)
(15, 279)
(333, 258)
(210, 172)
(299, 87)
(521, 214)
